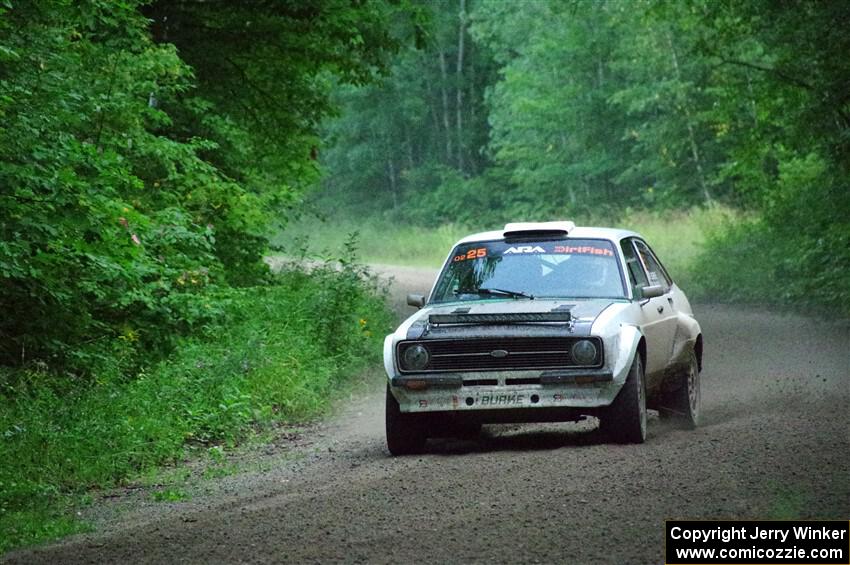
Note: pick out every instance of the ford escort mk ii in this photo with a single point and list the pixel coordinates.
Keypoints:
(544, 322)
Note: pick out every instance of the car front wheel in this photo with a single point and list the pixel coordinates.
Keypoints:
(406, 433)
(625, 420)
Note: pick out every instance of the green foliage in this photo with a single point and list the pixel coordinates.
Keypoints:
(789, 120)
(145, 150)
(264, 70)
(381, 242)
(35, 524)
(395, 140)
(91, 246)
(428, 246)
(278, 353)
(468, 201)
(134, 187)
(678, 248)
(795, 254)
(593, 108)
(169, 495)
(565, 151)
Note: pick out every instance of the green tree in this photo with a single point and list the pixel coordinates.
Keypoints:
(786, 110)
(553, 128)
(396, 139)
(264, 69)
(134, 185)
(594, 107)
(668, 95)
(95, 236)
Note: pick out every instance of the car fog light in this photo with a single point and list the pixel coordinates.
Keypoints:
(584, 352)
(416, 357)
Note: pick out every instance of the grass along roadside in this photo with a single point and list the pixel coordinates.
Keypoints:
(211, 473)
(379, 242)
(279, 355)
(677, 236)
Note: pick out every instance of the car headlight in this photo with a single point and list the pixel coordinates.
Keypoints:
(584, 352)
(415, 357)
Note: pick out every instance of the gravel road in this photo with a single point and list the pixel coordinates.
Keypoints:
(775, 443)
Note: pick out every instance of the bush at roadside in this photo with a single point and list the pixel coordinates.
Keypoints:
(277, 354)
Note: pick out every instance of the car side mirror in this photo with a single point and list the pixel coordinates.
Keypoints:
(416, 300)
(653, 291)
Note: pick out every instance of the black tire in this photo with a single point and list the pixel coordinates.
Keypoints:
(406, 433)
(682, 404)
(625, 420)
(468, 429)
(453, 426)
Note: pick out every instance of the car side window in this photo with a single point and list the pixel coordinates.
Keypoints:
(633, 265)
(654, 271)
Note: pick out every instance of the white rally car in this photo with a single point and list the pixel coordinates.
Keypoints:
(543, 322)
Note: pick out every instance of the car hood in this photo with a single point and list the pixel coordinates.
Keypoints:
(582, 315)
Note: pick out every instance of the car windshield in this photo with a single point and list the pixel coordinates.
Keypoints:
(564, 268)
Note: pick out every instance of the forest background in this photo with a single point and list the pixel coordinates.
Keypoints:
(152, 154)
(721, 128)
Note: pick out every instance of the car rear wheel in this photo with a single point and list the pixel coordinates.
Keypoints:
(682, 405)
(625, 420)
(406, 433)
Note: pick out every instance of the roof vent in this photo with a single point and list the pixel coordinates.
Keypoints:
(538, 229)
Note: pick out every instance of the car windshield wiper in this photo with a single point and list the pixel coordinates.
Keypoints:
(496, 292)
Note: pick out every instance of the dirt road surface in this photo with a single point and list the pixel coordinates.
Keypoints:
(775, 443)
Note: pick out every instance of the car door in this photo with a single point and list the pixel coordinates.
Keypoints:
(659, 315)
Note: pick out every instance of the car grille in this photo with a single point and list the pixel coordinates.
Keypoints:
(525, 353)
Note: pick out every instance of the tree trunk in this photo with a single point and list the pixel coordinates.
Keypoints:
(459, 86)
(446, 124)
(753, 108)
(570, 190)
(600, 74)
(432, 106)
(408, 141)
(695, 152)
(393, 184)
(473, 160)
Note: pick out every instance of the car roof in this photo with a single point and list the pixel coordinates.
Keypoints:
(546, 230)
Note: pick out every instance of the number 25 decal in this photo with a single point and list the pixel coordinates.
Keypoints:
(471, 254)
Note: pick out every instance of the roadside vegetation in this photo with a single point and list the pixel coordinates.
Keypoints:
(679, 236)
(553, 109)
(152, 153)
(145, 150)
(276, 353)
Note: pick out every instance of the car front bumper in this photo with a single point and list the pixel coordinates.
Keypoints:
(507, 390)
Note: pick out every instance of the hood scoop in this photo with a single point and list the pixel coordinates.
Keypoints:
(557, 316)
